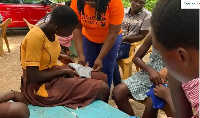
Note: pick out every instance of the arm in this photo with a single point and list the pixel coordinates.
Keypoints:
(109, 41)
(154, 76)
(135, 38)
(164, 93)
(65, 59)
(34, 75)
(78, 39)
(137, 60)
(77, 34)
(170, 103)
(181, 104)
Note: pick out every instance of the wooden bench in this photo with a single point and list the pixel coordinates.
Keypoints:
(97, 109)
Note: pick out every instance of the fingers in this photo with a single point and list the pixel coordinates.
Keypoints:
(157, 86)
(161, 85)
(82, 63)
(155, 90)
(96, 68)
(159, 80)
(162, 79)
(154, 81)
(87, 64)
(76, 74)
(156, 94)
(72, 61)
(165, 76)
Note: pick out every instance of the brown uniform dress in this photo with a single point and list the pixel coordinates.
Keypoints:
(37, 50)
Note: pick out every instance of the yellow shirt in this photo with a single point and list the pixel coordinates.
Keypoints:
(37, 50)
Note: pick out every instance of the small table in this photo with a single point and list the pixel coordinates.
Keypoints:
(97, 109)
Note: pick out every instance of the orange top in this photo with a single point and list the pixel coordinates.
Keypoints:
(97, 31)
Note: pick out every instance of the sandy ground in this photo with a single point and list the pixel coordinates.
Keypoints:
(10, 71)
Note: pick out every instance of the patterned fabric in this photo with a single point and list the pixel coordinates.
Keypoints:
(133, 24)
(139, 83)
(44, 19)
(1, 19)
(83, 71)
(191, 90)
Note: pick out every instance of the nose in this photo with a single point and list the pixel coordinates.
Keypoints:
(137, 4)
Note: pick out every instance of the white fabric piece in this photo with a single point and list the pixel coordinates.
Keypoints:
(83, 71)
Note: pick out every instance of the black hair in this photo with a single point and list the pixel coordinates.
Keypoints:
(54, 4)
(68, 3)
(64, 16)
(173, 26)
(100, 9)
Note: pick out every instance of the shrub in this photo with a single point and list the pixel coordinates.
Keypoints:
(150, 4)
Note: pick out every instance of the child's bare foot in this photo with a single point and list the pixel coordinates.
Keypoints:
(162, 92)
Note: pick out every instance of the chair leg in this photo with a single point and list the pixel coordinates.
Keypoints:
(127, 71)
(138, 69)
(1, 47)
(6, 41)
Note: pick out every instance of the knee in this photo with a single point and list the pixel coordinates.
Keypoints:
(100, 76)
(104, 92)
(120, 92)
(18, 110)
(104, 78)
(106, 89)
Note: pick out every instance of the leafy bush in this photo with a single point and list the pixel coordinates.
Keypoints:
(60, 0)
(150, 4)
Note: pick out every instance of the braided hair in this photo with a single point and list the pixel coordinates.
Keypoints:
(100, 9)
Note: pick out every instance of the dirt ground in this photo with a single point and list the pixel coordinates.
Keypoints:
(10, 71)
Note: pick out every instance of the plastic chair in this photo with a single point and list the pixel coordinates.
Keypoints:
(3, 27)
(126, 64)
(30, 26)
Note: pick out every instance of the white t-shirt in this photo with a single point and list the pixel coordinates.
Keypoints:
(1, 19)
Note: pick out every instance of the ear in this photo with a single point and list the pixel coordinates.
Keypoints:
(56, 29)
(183, 56)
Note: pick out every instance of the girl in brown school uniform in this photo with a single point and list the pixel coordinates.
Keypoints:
(44, 83)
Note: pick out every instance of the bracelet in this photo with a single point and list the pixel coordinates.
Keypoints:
(13, 96)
